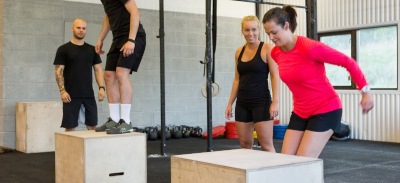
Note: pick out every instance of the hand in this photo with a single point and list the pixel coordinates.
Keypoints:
(99, 47)
(127, 49)
(367, 102)
(274, 110)
(228, 112)
(101, 95)
(65, 97)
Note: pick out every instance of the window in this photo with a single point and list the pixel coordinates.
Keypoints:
(375, 50)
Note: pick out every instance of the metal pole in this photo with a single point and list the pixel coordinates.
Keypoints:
(258, 11)
(162, 77)
(209, 61)
(214, 36)
(311, 14)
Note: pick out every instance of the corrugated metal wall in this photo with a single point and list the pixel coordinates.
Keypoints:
(341, 14)
(383, 122)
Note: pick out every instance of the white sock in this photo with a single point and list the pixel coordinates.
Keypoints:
(126, 112)
(114, 112)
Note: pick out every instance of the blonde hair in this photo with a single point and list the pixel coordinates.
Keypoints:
(250, 18)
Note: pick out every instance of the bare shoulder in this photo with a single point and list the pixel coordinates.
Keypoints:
(266, 50)
(237, 52)
(268, 47)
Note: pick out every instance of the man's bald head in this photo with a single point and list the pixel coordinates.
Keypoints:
(79, 28)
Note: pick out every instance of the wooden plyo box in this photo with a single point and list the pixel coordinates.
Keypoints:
(96, 157)
(36, 123)
(245, 166)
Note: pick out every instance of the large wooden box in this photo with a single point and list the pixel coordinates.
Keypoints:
(245, 166)
(96, 157)
(36, 123)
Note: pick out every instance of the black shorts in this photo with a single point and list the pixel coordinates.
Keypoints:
(247, 114)
(116, 59)
(317, 123)
(71, 112)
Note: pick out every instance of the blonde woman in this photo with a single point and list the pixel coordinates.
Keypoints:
(255, 108)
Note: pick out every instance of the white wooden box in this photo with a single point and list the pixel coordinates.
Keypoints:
(245, 166)
(96, 157)
(36, 123)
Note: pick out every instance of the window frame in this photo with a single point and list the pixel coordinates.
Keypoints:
(354, 37)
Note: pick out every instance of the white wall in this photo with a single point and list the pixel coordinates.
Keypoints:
(226, 8)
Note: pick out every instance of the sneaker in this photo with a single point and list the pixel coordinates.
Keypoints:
(109, 124)
(122, 127)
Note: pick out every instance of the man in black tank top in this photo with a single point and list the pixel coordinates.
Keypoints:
(254, 106)
(125, 54)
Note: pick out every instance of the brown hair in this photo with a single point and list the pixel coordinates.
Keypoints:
(281, 15)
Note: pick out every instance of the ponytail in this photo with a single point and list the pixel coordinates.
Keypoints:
(292, 16)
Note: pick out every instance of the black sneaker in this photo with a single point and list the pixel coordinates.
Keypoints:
(109, 124)
(120, 128)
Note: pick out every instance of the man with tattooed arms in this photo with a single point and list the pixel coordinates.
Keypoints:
(73, 62)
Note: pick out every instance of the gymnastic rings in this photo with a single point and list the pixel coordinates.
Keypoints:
(215, 89)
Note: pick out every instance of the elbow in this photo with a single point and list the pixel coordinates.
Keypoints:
(135, 15)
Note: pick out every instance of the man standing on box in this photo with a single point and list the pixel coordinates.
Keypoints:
(126, 52)
(73, 63)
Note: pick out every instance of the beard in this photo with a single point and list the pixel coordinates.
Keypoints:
(79, 36)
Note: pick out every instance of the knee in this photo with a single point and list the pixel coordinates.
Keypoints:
(308, 154)
(121, 76)
(268, 148)
(109, 76)
(246, 144)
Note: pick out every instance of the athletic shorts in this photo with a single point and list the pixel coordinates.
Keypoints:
(116, 59)
(247, 114)
(317, 123)
(71, 112)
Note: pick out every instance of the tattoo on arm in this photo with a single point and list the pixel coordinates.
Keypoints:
(60, 77)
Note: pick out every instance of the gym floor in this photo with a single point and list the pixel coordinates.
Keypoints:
(351, 161)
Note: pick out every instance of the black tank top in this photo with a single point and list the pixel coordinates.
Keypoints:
(253, 80)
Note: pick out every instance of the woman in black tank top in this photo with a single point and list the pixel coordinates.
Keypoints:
(254, 106)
